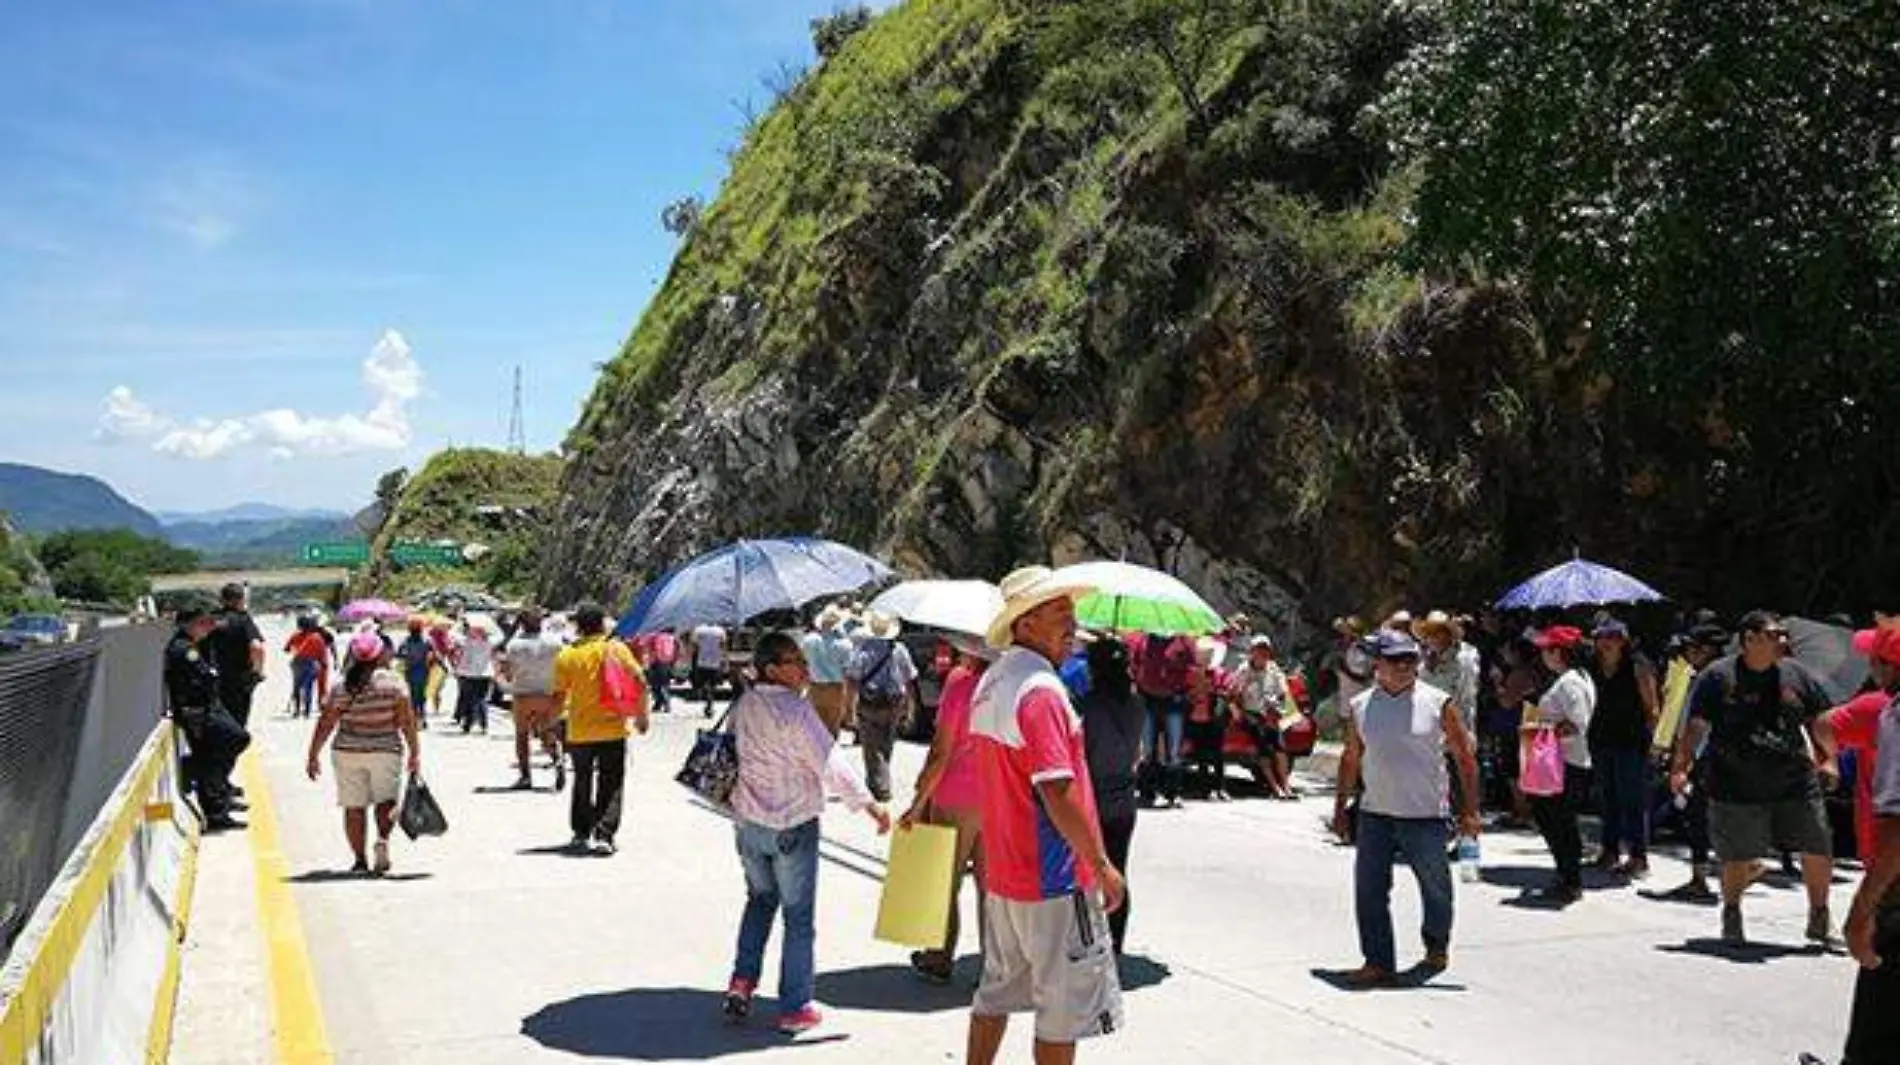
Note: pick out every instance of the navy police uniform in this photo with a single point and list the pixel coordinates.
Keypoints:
(214, 737)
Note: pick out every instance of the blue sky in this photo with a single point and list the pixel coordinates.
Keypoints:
(267, 251)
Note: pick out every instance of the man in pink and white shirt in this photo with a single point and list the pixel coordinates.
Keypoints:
(787, 758)
(1047, 879)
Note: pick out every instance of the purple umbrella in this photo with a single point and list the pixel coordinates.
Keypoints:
(378, 609)
(1578, 583)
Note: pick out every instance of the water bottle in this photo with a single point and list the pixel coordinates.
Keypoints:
(1468, 857)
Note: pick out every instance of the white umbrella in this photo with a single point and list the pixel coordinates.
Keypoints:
(959, 606)
(1130, 598)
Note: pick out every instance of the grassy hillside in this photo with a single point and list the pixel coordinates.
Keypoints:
(1005, 280)
(496, 499)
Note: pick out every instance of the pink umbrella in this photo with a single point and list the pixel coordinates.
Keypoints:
(378, 609)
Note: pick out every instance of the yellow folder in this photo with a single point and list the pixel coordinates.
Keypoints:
(916, 905)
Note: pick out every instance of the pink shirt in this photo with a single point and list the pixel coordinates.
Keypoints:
(1026, 733)
(1857, 728)
(961, 787)
(787, 757)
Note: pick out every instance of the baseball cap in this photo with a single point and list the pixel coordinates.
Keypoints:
(366, 646)
(1557, 637)
(1712, 636)
(1260, 641)
(1610, 629)
(1391, 643)
(1880, 645)
(1760, 621)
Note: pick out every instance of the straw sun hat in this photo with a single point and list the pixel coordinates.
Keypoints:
(1025, 590)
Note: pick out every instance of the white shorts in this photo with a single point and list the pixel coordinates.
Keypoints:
(1055, 958)
(366, 778)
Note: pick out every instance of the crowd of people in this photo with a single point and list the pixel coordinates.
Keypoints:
(1049, 740)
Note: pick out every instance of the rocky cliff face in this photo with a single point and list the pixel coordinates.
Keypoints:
(996, 285)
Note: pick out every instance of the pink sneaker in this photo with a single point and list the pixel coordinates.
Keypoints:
(803, 1019)
(739, 998)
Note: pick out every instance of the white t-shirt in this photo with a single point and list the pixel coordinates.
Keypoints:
(709, 647)
(473, 655)
(531, 663)
(1573, 698)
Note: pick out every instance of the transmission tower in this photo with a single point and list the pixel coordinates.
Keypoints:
(517, 436)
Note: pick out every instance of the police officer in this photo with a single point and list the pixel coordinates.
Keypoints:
(214, 736)
(237, 650)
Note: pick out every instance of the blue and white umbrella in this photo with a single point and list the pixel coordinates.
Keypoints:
(740, 581)
(1578, 583)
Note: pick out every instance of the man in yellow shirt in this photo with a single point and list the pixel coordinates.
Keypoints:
(596, 736)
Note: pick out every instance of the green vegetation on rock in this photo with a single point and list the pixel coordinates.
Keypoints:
(1292, 299)
(496, 499)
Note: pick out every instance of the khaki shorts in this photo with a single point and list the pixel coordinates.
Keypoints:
(1055, 958)
(535, 713)
(366, 778)
(1744, 832)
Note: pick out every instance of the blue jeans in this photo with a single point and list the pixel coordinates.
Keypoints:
(781, 874)
(1624, 775)
(1167, 719)
(304, 671)
(1422, 843)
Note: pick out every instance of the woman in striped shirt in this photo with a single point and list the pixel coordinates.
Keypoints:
(374, 722)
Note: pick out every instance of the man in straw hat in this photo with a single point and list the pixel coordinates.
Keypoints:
(1048, 879)
(828, 652)
(876, 693)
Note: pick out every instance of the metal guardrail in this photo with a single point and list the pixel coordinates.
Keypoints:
(73, 718)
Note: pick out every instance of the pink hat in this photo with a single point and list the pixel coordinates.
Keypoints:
(366, 647)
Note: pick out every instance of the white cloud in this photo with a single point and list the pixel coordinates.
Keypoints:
(391, 375)
(204, 200)
(204, 439)
(127, 417)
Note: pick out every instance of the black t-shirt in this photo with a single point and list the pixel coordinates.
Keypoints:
(230, 647)
(1758, 747)
(1618, 722)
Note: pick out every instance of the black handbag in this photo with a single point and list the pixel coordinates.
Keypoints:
(420, 814)
(712, 767)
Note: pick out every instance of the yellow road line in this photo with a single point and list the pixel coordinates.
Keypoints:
(297, 1033)
(158, 1040)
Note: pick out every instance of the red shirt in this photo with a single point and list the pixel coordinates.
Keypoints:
(1162, 664)
(1856, 726)
(1025, 858)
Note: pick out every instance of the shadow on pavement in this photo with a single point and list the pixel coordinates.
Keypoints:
(559, 850)
(1742, 953)
(658, 1024)
(1417, 978)
(1138, 972)
(344, 876)
(891, 989)
(504, 789)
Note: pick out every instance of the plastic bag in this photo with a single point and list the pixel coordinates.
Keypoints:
(1542, 773)
(712, 768)
(622, 692)
(420, 814)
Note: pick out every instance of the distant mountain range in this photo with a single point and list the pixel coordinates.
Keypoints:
(247, 512)
(44, 501)
(41, 501)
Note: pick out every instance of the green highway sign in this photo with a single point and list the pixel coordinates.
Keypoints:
(426, 554)
(336, 553)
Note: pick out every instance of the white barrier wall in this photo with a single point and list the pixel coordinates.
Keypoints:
(94, 977)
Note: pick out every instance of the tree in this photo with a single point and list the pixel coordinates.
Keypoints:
(109, 566)
(681, 216)
(1709, 188)
(830, 32)
(1185, 36)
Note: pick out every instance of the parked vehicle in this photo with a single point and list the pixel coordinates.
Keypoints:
(33, 630)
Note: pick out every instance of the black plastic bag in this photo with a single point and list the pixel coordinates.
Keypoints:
(712, 769)
(420, 815)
